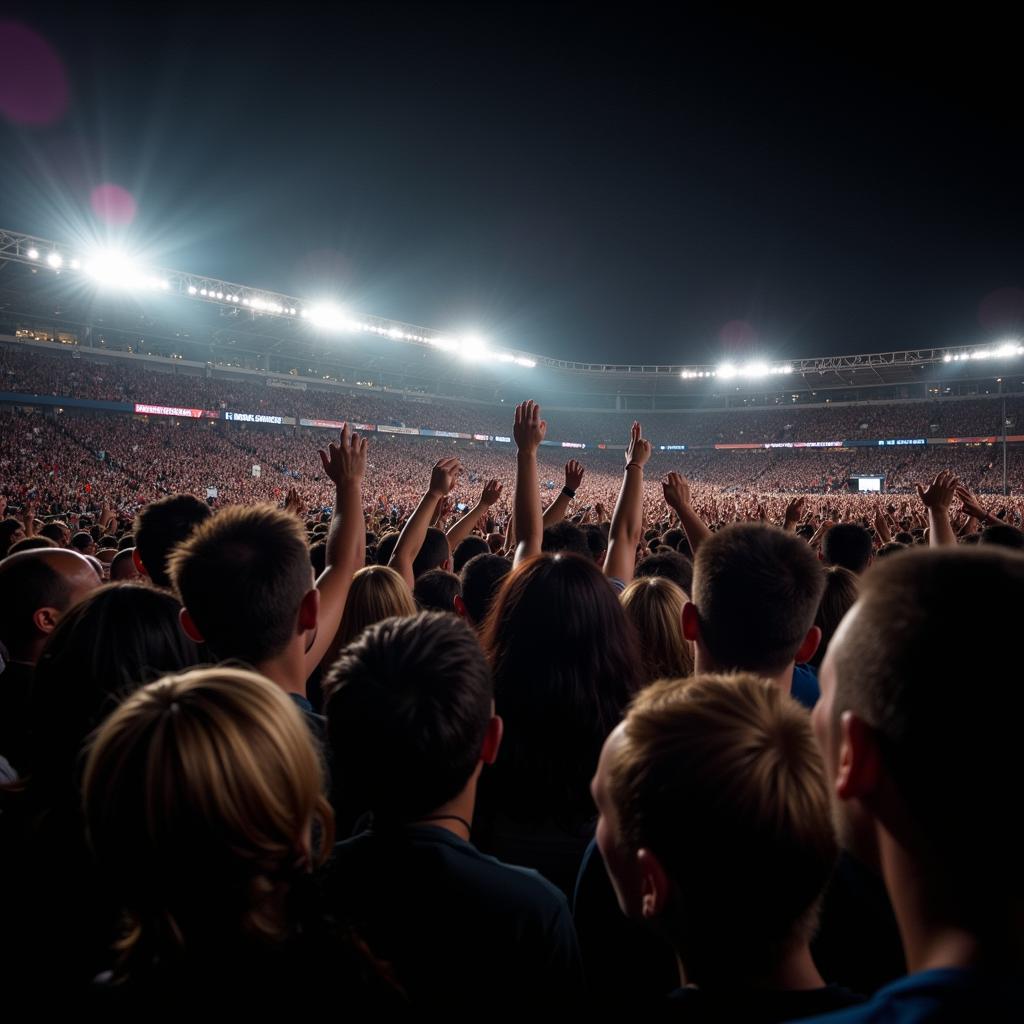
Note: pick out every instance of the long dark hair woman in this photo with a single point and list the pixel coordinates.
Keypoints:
(566, 664)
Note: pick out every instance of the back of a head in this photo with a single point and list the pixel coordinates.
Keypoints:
(241, 576)
(468, 548)
(734, 759)
(848, 545)
(377, 592)
(161, 526)
(433, 554)
(757, 590)
(580, 665)
(597, 542)
(436, 590)
(481, 577)
(904, 661)
(1004, 536)
(386, 547)
(199, 791)
(838, 597)
(55, 532)
(104, 648)
(32, 544)
(122, 565)
(408, 705)
(655, 607)
(83, 542)
(567, 537)
(671, 565)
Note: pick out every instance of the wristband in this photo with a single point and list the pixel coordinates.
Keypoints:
(634, 465)
(568, 492)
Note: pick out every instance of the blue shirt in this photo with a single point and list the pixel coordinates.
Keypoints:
(805, 686)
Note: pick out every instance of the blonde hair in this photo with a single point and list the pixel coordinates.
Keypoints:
(377, 593)
(654, 604)
(202, 794)
(721, 778)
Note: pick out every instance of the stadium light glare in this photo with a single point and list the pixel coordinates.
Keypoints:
(192, 289)
(113, 269)
(76, 264)
(328, 316)
(33, 253)
(55, 260)
(726, 370)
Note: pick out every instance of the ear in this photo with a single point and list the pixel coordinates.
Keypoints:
(460, 607)
(138, 562)
(190, 629)
(655, 886)
(691, 623)
(309, 610)
(860, 760)
(45, 620)
(447, 564)
(492, 740)
(809, 646)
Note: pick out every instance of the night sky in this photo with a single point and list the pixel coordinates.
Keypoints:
(610, 186)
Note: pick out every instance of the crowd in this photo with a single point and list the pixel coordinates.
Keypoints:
(360, 734)
(77, 375)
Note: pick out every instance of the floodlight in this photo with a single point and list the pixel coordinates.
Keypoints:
(726, 370)
(329, 317)
(55, 260)
(192, 289)
(33, 253)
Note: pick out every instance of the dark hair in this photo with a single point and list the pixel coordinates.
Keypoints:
(670, 564)
(117, 639)
(242, 576)
(481, 576)
(757, 590)
(28, 581)
(597, 540)
(900, 668)
(848, 545)
(31, 544)
(436, 590)
(566, 663)
(127, 541)
(408, 704)
(805, 530)
(54, 531)
(386, 547)
(904, 537)
(469, 547)
(81, 540)
(565, 536)
(433, 554)
(671, 538)
(890, 549)
(837, 599)
(318, 557)
(125, 555)
(160, 526)
(1003, 535)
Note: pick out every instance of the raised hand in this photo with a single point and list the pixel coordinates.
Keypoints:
(970, 504)
(676, 489)
(345, 462)
(443, 477)
(940, 492)
(529, 429)
(491, 494)
(639, 450)
(573, 475)
(293, 503)
(794, 512)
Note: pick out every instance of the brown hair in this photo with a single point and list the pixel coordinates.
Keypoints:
(721, 778)
(377, 592)
(841, 587)
(200, 794)
(655, 607)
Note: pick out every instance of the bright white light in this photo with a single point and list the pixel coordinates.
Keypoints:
(727, 370)
(55, 260)
(203, 292)
(220, 295)
(474, 349)
(756, 370)
(528, 363)
(115, 270)
(329, 317)
(445, 344)
(33, 254)
(947, 358)
(191, 289)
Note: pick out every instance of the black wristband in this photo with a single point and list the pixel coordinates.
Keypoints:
(568, 492)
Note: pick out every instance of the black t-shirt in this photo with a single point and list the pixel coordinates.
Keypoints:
(703, 1006)
(15, 688)
(460, 929)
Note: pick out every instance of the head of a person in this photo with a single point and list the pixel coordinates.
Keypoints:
(469, 547)
(495, 543)
(567, 537)
(436, 591)
(755, 593)
(671, 537)
(122, 566)
(83, 543)
(434, 554)
(890, 549)
(377, 592)
(1004, 536)
(11, 531)
(480, 577)
(654, 605)
(203, 799)
(597, 541)
(386, 547)
(32, 544)
(160, 527)
(115, 640)
(670, 564)
(410, 712)
(58, 532)
(916, 761)
(246, 584)
(36, 589)
(837, 599)
(581, 666)
(733, 759)
(848, 545)
(318, 557)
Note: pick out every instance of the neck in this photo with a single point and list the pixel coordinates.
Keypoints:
(795, 972)
(287, 669)
(703, 662)
(448, 815)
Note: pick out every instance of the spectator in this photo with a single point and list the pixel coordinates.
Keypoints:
(565, 537)
(481, 577)
(847, 545)
(377, 593)
(467, 549)
(436, 591)
(159, 528)
(655, 607)
(671, 566)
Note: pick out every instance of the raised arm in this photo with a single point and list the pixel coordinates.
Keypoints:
(937, 497)
(464, 527)
(555, 512)
(677, 496)
(529, 430)
(794, 510)
(442, 480)
(628, 517)
(345, 464)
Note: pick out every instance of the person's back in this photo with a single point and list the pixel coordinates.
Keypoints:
(411, 726)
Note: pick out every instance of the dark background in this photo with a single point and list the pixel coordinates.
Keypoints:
(614, 186)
